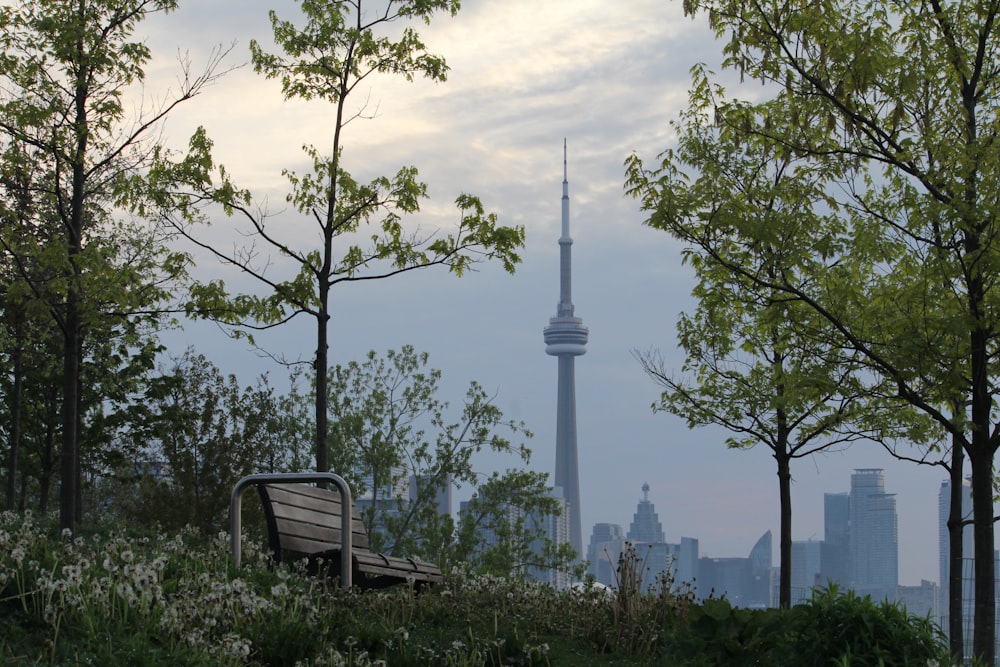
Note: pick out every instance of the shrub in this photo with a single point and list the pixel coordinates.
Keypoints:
(832, 628)
(846, 628)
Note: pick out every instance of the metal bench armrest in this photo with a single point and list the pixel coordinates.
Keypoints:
(236, 512)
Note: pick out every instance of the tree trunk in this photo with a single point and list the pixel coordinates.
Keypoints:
(74, 222)
(15, 421)
(785, 541)
(984, 627)
(322, 383)
(47, 466)
(70, 452)
(956, 531)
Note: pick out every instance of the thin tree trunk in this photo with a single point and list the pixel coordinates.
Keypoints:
(785, 500)
(984, 628)
(322, 384)
(15, 421)
(70, 451)
(956, 531)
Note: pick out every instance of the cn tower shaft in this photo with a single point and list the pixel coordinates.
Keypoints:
(566, 339)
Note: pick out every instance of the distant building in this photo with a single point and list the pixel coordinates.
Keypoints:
(685, 562)
(645, 526)
(554, 527)
(442, 492)
(806, 564)
(549, 526)
(835, 550)
(606, 542)
(745, 582)
(920, 600)
(874, 536)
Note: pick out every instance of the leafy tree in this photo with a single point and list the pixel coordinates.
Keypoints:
(501, 531)
(753, 374)
(359, 226)
(390, 427)
(67, 68)
(899, 102)
(194, 435)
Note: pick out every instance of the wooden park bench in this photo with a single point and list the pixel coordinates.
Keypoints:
(310, 521)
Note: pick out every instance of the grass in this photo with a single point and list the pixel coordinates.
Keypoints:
(126, 597)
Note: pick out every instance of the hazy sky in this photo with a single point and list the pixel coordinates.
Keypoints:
(525, 74)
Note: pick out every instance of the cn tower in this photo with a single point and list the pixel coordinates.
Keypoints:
(566, 339)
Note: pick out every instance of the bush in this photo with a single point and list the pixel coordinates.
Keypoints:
(832, 628)
(845, 628)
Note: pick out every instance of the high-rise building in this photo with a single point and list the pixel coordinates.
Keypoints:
(762, 572)
(645, 526)
(540, 526)
(835, 551)
(685, 562)
(606, 542)
(441, 488)
(874, 535)
(745, 582)
(554, 527)
(806, 556)
(566, 339)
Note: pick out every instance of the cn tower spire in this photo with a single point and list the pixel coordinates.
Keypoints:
(566, 339)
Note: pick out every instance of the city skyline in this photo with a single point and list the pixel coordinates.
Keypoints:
(611, 85)
(871, 505)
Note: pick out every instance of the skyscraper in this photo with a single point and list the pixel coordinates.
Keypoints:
(645, 526)
(874, 540)
(835, 559)
(606, 543)
(566, 339)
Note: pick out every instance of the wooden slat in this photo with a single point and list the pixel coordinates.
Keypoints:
(307, 520)
(295, 507)
(380, 564)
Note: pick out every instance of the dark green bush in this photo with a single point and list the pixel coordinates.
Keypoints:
(832, 628)
(845, 628)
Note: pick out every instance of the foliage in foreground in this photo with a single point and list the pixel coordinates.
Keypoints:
(118, 597)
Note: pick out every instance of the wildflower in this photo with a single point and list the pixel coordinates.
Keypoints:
(72, 574)
(124, 590)
(67, 533)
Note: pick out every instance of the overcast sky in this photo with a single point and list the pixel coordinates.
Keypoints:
(525, 74)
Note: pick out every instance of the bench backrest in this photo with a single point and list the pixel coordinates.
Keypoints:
(306, 519)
